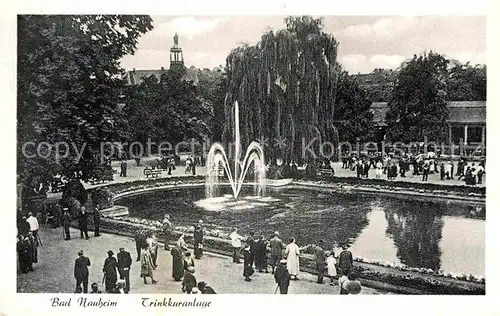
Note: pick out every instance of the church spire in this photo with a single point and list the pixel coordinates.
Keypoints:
(176, 58)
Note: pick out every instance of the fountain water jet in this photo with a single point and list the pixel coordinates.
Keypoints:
(217, 157)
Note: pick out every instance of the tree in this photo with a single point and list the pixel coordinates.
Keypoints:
(466, 82)
(68, 89)
(212, 88)
(167, 110)
(285, 86)
(417, 106)
(352, 110)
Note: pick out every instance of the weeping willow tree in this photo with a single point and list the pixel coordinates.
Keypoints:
(285, 87)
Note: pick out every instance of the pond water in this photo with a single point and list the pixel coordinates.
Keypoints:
(417, 233)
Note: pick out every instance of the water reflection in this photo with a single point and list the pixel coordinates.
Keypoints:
(416, 234)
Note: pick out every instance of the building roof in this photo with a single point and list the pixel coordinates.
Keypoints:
(462, 112)
(467, 112)
(135, 76)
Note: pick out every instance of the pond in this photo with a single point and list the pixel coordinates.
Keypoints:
(416, 233)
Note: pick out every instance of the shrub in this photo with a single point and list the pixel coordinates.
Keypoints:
(102, 197)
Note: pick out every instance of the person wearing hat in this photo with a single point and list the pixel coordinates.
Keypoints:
(147, 265)
(345, 260)
(82, 223)
(247, 263)
(189, 281)
(260, 254)
(277, 247)
(109, 269)
(205, 289)
(66, 219)
(167, 230)
(282, 276)
(188, 261)
(124, 263)
(353, 286)
(198, 240)
(81, 272)
(320, 259)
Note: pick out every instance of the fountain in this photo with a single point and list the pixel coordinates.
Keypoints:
(217, 158)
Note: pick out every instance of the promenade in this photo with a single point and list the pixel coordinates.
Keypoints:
(54, 272)
(136, 173)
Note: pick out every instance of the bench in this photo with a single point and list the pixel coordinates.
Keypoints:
(152, 173)
(325, 172)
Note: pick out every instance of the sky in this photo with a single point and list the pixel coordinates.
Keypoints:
(365, 42)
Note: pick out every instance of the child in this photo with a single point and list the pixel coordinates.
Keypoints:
(332, 270)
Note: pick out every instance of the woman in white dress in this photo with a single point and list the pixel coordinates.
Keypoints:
(332, 270)
(292, 258)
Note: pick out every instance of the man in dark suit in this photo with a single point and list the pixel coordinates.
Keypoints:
(198, 240)
(320, 259)
(124, 262)
(82, 271)
(345, 260)
(277, 247)
(82, 223)
(96, 216)
(66, 221)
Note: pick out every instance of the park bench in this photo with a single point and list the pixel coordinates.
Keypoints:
(151, 173)
(325, 172)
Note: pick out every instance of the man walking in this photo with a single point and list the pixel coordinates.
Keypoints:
(96, 216)
(66, 220)
(277, 247)
(81, 271)
(320, 258)
(345, 260)
(33, 222)
(198, 240)
(124, 263)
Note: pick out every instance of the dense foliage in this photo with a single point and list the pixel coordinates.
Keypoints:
(353, 117)
(466, 82)
(285, 86)
(418, 100)
(166, 110)
(69, 85)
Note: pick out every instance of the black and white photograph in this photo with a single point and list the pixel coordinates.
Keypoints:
(186, 154)
(249, 154)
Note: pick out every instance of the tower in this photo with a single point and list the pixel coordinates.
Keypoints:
(176, 58)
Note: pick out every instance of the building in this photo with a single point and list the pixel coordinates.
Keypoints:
(466, 122)
(136, 76)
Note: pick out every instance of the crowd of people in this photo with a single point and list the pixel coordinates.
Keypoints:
(259, 256)
(112, 269)
(283, 260)
(423, 165)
